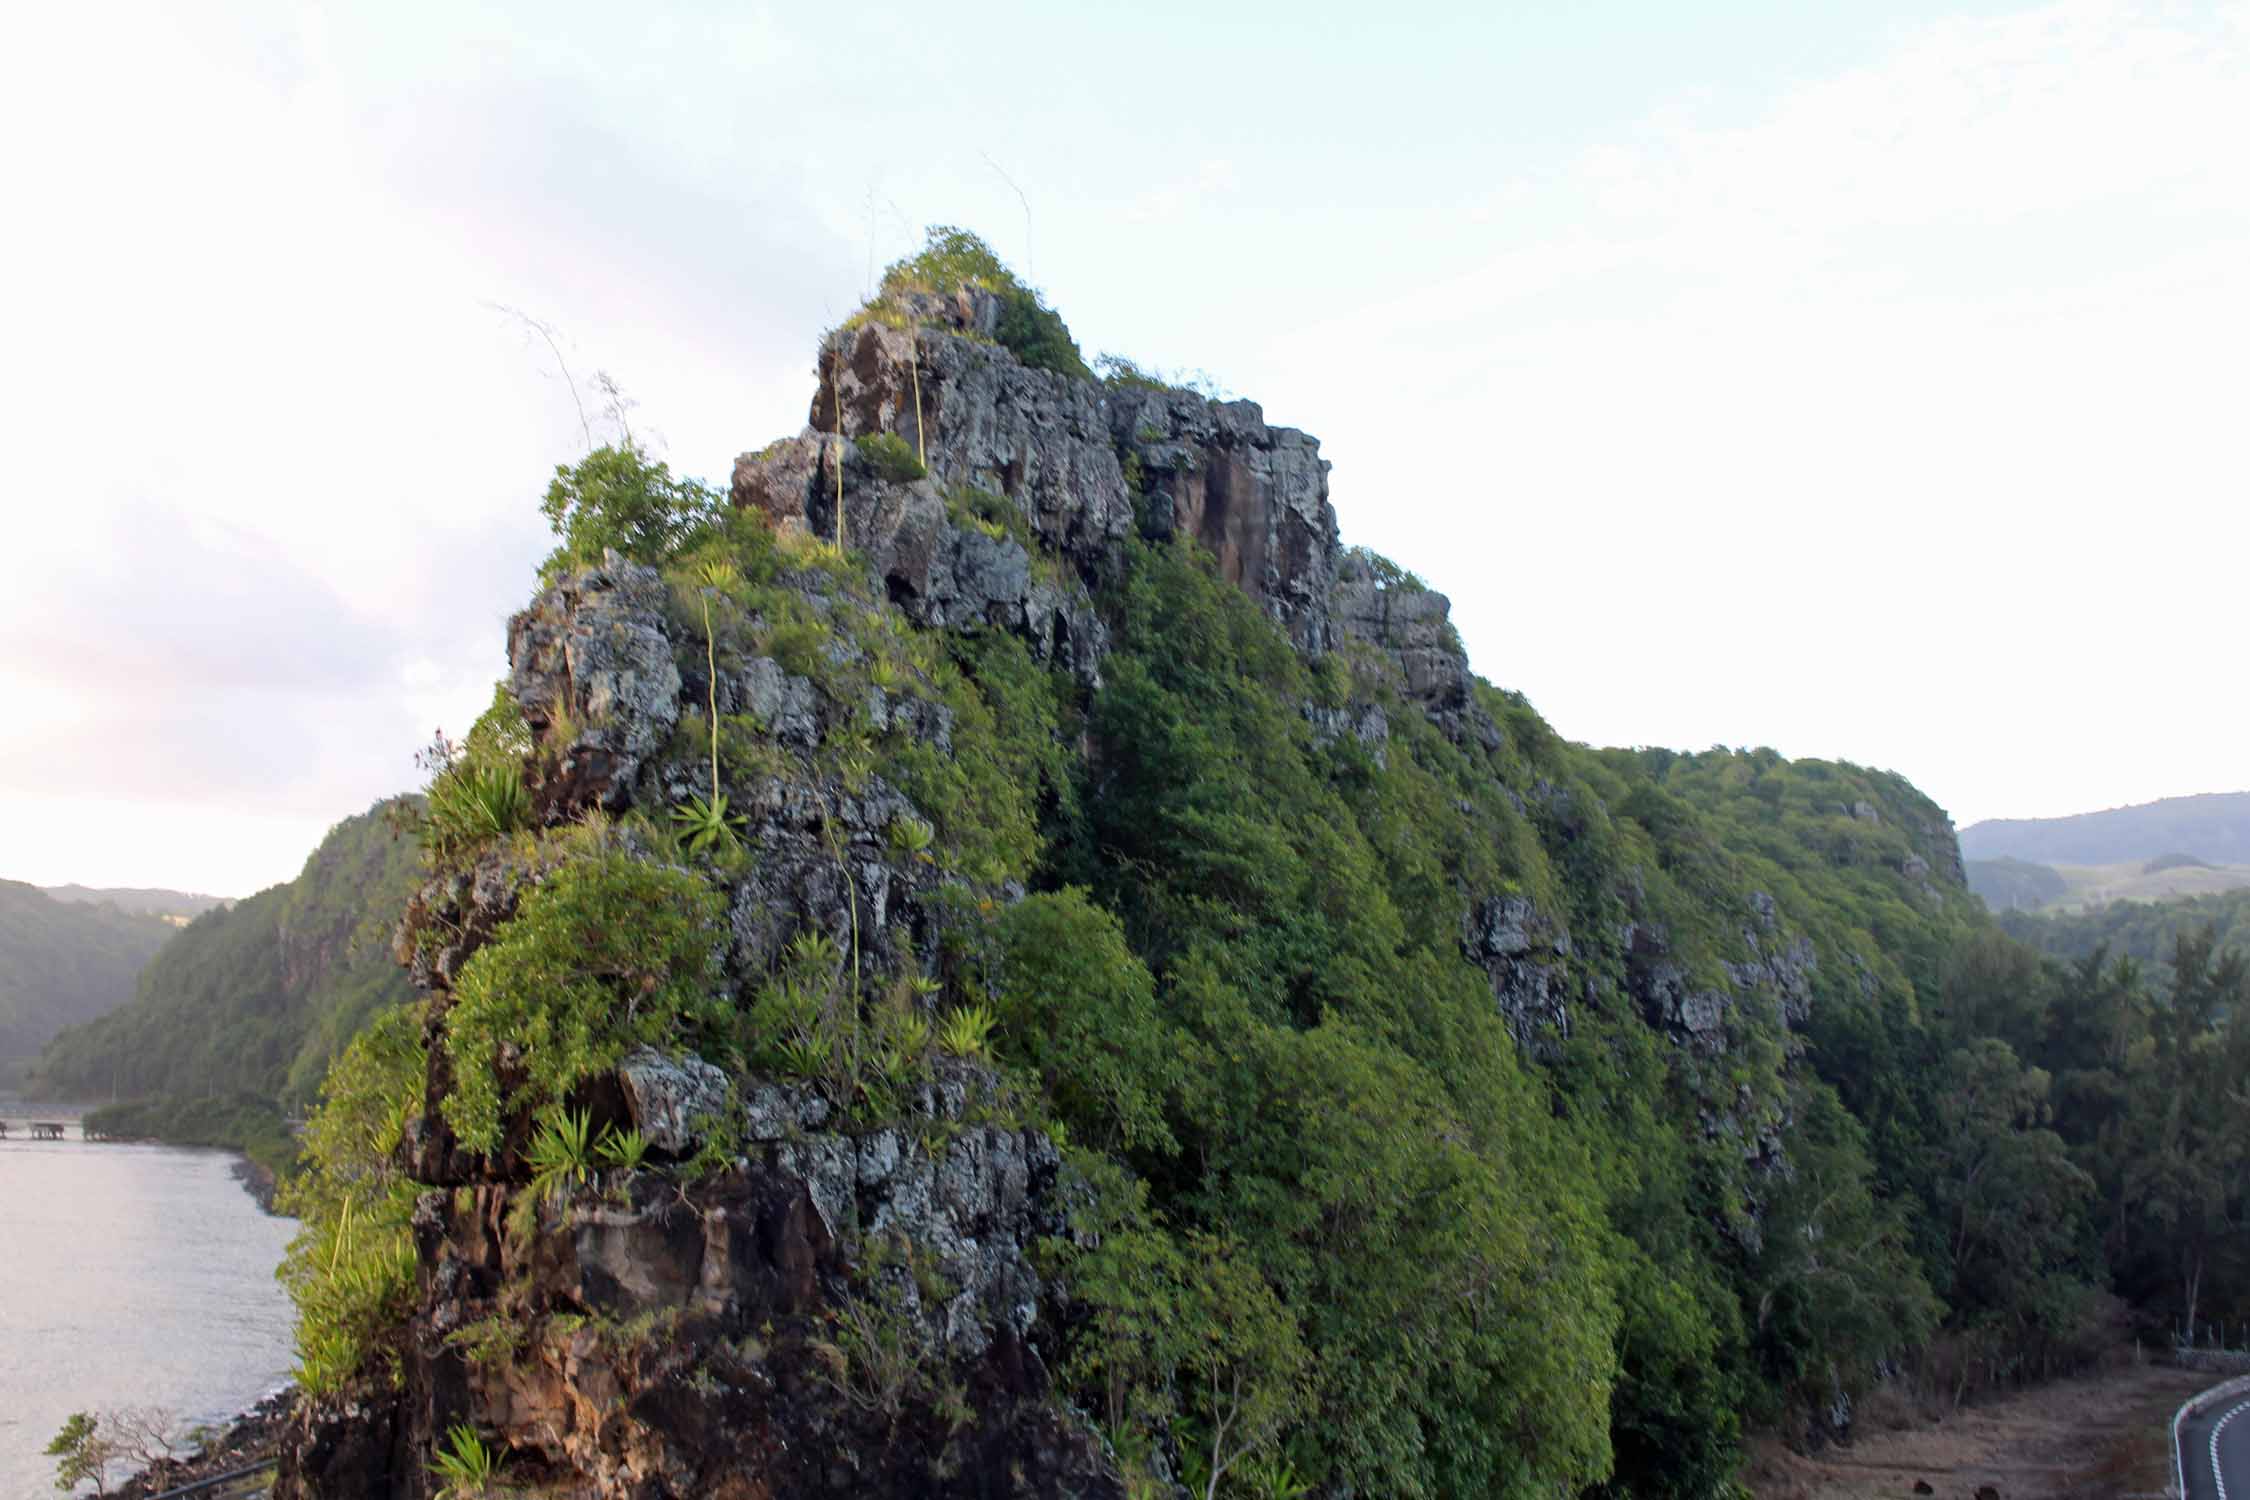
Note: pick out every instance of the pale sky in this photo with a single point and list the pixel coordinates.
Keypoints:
(1862, 380)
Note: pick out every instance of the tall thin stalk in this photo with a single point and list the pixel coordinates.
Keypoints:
(711, 688)
(706, 822)
(914, 369)
(836, 407)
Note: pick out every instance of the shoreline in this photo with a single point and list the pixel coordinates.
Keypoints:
(247, 1438)
(255, 1177)
(257, 1180)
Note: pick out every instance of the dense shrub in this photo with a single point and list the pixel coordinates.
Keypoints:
(1029, 329)
(891, 457)
(609, 952)
(1079, 1010)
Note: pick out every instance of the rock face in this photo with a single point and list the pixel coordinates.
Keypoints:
(1411, 624)
(750, 1336)
(1523, 953)
(1058, 451)
(1256, 496)
(594, 651)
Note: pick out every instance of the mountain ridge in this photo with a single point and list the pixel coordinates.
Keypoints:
(62, 963)
(2213, 826)
(180, 906)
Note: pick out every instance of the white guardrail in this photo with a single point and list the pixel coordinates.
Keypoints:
(2219, 1392)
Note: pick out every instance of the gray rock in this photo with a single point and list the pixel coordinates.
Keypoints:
(778, 1111)
(827, 1165)
(1413, 626)
(1257, 495)
(594, 648)
(1364, 722)
(674, 1102)
(1522, 952)
(788, 706)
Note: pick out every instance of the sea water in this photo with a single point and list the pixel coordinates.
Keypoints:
(130, 1276)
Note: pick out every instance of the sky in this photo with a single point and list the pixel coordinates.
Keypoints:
(1863, 380)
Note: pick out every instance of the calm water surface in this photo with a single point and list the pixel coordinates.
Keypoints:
(129, 1276)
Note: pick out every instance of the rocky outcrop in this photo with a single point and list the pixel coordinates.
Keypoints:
(1059, 453)
(791, 1300)
(1780, 963)
(1256, 496)
(847, 1309)
(1525, 954)
(594, 652)
(1410, 624)
(673, 1100)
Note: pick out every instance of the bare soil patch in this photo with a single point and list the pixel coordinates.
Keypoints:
(2097, 1437)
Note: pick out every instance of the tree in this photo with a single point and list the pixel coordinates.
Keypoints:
(1185, 1328)
(616, 497)
(81, 1452)
(89, 1443)
(2187, 1134)
(2015, 1201)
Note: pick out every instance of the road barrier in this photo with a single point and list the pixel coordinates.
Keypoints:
(2219, 1392)
(260, 1466)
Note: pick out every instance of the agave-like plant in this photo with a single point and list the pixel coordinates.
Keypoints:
(624, 1149)
(706, 824)
(912, 836)
(562, 1153)
(965, 1032)
(815, 950)
(465, 1463)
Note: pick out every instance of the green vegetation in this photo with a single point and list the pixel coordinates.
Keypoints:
(2015, 884)
(79, 1454)
(63, 963)
(616, 497)
(1118, 371)
(465, 1466)
(561, 1155)
(608, 953)
(238, 1121)
(2147, 932)
(951, 259)
(704, 821)
(350, 1268)
(889, 456)
(996, 516)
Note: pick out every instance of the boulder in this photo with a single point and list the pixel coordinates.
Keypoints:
(673, 1101)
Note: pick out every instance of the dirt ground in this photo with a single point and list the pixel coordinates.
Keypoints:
(2099, 1437)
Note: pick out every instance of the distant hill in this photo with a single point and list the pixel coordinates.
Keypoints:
(181, 906)
(2214, 827)
(253, 999)
(2015, 884)
(62, 963)
(2019, 885)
